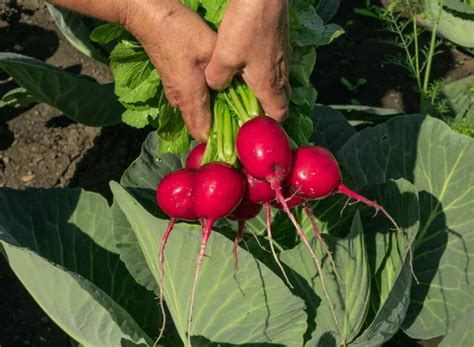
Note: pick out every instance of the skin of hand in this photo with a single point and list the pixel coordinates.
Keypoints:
(253, 40)
(177, 40)
(180, 45)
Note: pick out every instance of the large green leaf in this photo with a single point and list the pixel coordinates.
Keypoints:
(245, 309)
(459, 6)
(79, 97)
(462, 335)
(330, 128)
(48, 237)
(439, 163)
(351, 299)
(453, 26)
(77, 29)
(130, 252)
(326, 9)
(389, 260)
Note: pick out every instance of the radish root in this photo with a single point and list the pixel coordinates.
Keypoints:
(268, 212)
(206, 232)
(342, 189)
(323, 243)
(276, 186)
(238, 238)
(161, 260)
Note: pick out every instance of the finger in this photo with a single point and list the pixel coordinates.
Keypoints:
(192, 99)
(196, 114)
(271, 90)
(218, 72)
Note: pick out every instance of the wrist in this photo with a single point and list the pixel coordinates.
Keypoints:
(141, 17)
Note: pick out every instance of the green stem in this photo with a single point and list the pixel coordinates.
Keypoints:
(209, 153)
(255, 107)
(218, 117)
(417, 54)
(242, 93)
(228, 136)
(432, 48)
(404, 43)
(236, 103)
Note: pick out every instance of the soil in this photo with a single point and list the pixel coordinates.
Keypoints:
(39, 147)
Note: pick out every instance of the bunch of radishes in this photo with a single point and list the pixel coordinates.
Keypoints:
(272, 173)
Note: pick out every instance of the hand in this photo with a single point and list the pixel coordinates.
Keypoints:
(253, 40)
(180, 45)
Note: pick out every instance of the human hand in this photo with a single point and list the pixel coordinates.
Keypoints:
(180, 45)
(253, 39)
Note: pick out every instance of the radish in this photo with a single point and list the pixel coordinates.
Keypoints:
(194, 158)
(218, 189)
(264, 150)
(174, 195)
(245, 211)
(262, 192)
(315, 174)
(257, 190)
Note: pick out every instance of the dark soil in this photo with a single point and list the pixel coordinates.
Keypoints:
(39, 147)
(360, 53)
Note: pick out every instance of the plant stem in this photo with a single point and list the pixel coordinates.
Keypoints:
(432, 48)
(417, 54)
(234, 101)
(241, 90)
(219, 121)
(404, 44)
(228, 135)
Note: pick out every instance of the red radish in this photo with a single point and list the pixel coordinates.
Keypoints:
(262, 192)
(245, 211)
(218, 189)
(315, 174)
(174, 195)
(264, 150)
(195, 156)
(257, 190)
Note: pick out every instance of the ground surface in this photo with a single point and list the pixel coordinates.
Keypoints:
(39, 147)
